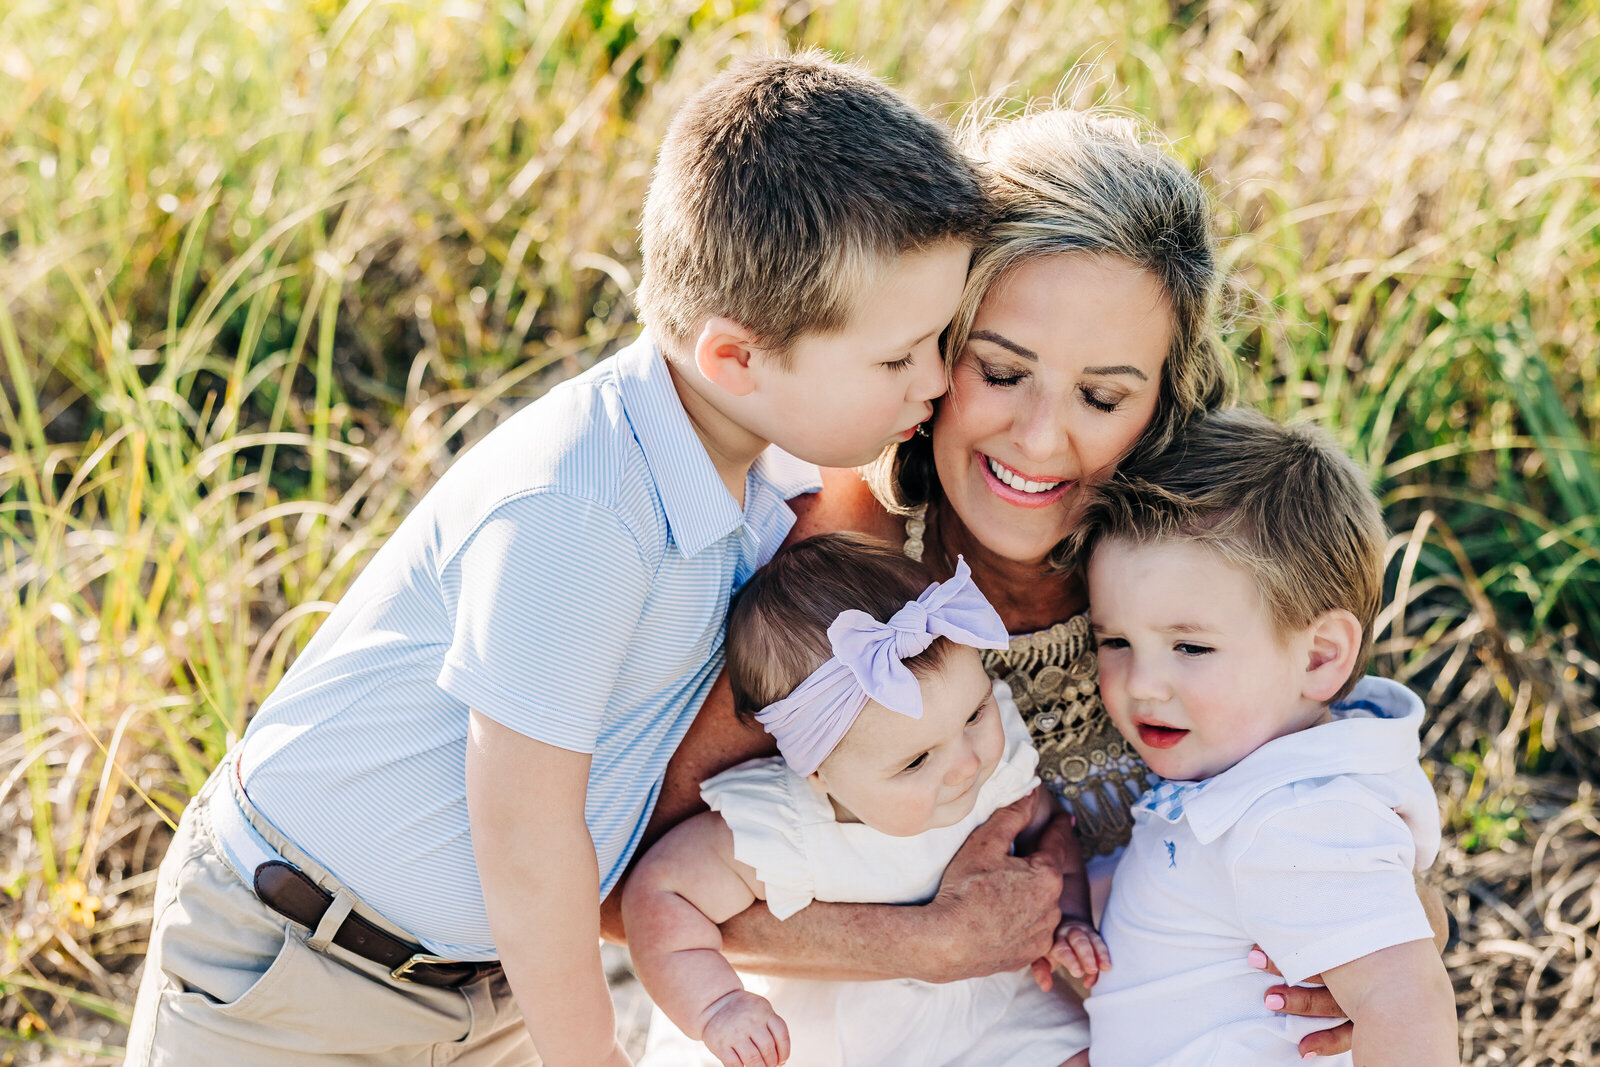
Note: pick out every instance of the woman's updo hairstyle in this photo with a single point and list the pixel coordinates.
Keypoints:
(1064, 182)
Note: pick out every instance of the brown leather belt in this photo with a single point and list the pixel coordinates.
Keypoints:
(291, 893)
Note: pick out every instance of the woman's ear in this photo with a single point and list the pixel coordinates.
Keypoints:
(1335, 641)
(723, 353)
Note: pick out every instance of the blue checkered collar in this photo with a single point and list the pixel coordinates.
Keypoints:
(700, 510)
(1374, 730)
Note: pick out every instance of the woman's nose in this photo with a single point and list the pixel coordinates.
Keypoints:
(1041, 435)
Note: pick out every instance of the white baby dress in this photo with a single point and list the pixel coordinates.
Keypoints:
(787, 832)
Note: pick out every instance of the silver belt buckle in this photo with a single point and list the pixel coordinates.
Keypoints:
(402, 973)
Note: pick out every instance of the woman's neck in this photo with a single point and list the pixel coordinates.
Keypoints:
(1028, 596)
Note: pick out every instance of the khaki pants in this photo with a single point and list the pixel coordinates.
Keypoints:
(228, 981)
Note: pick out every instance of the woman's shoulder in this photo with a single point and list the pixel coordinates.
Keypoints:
(845, 502)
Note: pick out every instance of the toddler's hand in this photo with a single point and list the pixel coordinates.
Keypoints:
(742, 1030)
(1078, 948)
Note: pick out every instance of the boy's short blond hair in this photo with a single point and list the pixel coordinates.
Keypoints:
(1283, 503)
(783, 189)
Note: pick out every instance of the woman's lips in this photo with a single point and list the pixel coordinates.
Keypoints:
(1160, 736)
(1019, 497)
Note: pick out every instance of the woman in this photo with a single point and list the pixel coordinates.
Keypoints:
(1086, 331)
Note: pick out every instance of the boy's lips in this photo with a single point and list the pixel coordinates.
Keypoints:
(1157, 736)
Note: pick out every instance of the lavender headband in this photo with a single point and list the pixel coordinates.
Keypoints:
(867, 664)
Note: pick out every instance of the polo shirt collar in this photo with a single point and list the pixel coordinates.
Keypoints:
(700, 511)
(1375, 730)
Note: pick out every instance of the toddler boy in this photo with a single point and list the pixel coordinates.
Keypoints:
(423, 817)
(1233, 582)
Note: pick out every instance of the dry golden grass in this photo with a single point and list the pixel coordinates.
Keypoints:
(264, 267)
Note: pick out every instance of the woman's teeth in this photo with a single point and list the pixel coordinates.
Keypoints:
(1016, 481)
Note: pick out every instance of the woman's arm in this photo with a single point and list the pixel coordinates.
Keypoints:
(994, 912)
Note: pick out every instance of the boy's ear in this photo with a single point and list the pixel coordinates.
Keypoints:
(1335, 642)
(723, 353)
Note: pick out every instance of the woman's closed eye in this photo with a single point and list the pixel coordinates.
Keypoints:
(1100, 399)
(994, 374)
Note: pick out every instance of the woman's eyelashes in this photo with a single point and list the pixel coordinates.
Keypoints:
(1099, 399)
(1002, 377)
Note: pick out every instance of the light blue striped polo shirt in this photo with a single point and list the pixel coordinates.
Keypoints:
(568, 577)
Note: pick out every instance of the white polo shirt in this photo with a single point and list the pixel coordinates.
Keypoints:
(1307, 847)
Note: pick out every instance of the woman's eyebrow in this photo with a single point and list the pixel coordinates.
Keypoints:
(1008, 345)
(1121, 368)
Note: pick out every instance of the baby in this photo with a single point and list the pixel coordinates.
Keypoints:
(895, 746)
(1233, 581)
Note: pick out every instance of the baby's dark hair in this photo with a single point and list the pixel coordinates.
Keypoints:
(778, 623)
(1283, 503)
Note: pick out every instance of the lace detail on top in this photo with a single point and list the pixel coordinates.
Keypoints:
(1082, 758)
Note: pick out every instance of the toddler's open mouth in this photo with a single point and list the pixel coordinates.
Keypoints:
(1160, 736)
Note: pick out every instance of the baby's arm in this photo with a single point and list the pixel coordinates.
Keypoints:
(1402, 1004)
(1078, 947)
(684, 886)
(540, 880)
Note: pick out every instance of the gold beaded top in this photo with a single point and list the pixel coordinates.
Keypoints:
(1082, 758)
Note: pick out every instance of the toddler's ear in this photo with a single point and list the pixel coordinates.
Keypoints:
(723, 353)
(1335, 641)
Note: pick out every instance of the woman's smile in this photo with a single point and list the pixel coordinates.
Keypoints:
(1014, 487)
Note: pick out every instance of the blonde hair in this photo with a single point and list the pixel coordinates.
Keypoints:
(784, 188)
(1067, 182)
(1284, 504)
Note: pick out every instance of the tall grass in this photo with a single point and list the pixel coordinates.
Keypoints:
(265, 266)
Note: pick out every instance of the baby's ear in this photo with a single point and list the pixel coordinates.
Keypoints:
(1334, 642)
(723, 353)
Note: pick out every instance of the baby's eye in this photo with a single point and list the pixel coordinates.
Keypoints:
(900, 364)
(919, 761)
(1100, 400)
(975, 716)
(1189, 648)
(1112, 642)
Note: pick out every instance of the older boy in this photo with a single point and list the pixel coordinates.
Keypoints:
(423, 816)
(1233, 580)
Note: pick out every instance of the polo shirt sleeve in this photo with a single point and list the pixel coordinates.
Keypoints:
(544, 597)
(1329, 881)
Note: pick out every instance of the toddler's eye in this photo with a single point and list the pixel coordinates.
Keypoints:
(975, 716)
(1189, 648)
(902, 363)
(1112, 642)
(919, 761)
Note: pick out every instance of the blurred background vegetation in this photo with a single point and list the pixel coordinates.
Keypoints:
(266, 265)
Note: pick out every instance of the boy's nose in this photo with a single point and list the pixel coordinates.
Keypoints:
(1145, 684)
(930, 381)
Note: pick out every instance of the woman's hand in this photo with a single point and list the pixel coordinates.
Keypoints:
(997, 912)
(1312, 1001)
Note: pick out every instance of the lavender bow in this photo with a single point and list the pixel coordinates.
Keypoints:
(867, 664)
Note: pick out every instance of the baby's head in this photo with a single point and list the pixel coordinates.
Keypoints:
(807, 642)
(1233, 582)
(806, 239)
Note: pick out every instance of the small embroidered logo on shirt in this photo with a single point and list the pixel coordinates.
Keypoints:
(1172, 854)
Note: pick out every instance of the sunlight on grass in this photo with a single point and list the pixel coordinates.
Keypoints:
(267, 266)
